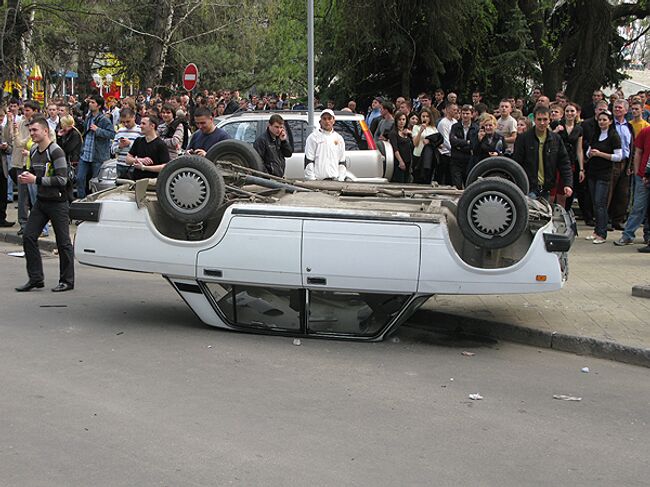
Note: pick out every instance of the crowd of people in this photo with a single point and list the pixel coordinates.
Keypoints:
(595, 154)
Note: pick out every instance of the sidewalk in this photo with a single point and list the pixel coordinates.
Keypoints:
(594, 314)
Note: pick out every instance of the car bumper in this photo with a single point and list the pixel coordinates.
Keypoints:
(97, 184)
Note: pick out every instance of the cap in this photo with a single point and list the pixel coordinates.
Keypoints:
(328, 112)
(380, 99)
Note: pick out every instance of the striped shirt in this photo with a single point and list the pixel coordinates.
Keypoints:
(128, 134)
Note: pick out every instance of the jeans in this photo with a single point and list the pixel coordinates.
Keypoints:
(59, 214)
(639, 211)
(599, 190)
(86, 171)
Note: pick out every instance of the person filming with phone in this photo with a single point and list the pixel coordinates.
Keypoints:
(273, 146)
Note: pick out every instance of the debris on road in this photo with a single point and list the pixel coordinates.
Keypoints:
(16, 254)
(120, 333)
(395, 339)
(53, 306)
(468, 354)
(475, 397)
(297, 342)
(564, 397)
(209, 346)
(585, 370)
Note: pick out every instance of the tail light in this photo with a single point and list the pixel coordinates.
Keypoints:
(368, 135)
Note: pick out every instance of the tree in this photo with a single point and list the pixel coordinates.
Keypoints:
(577, 43)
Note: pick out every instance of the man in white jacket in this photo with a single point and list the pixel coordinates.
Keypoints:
(325, 151)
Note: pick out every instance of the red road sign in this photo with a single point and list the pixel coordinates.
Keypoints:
(190, 77)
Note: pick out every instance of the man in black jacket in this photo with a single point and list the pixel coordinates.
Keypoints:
(462, 137)
(541, 153)
(273, 146)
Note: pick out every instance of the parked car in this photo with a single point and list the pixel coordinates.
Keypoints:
(324, 258)
(366, 157)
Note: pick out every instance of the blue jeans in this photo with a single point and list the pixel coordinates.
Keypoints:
(599, 190)
(85, 168)
(639, 211)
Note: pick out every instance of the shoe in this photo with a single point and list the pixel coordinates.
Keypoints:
(590, 237)
(618, 226)
(62, 286)
(30, 285)
(623, 241)
(599, 240)
(6, 224)
(645, 250)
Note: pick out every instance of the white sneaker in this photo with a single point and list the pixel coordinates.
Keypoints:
(591, 237)
(599, 240)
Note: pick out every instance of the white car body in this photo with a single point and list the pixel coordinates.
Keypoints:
(338, 259)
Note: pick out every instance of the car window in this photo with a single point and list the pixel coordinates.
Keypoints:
(297, 128)
(352, 134)
(352, 313)
(259, 307)
(245, 131)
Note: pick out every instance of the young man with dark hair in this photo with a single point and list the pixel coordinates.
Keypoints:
(207, 134)
(48, 170)
(124, 138)
(273, 146)
(541, 153)
(148, 154)
(387, 121)
(98, 136)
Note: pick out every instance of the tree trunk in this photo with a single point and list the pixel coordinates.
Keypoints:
(157, 54)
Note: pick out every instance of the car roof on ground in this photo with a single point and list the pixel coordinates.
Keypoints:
(337, 113)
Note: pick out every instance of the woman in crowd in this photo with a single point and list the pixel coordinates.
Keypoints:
(171, 131)
(69, 139)
(414, 119)
(424, 160)
(400, 139)
(523, 124)
(571, 133)
(604, 150)
(488, 143)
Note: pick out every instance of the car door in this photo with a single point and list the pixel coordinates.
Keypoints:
(244, 130)
(360, 256)
(256, 250)
(295, 165)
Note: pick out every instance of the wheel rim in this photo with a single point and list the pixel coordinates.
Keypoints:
(188, 190)
(492, 214)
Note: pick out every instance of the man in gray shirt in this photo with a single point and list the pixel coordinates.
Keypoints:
(387, 121)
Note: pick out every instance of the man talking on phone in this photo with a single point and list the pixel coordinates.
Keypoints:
(273, 146)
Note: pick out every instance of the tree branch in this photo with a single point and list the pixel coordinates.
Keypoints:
(622, 11)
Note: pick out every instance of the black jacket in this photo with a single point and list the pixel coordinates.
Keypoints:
(555, 159)
(273, 151)
(483, 147)
(461, 146)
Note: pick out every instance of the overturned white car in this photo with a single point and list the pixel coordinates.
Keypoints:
(251, 252)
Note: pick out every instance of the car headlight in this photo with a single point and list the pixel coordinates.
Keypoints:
(109, 172)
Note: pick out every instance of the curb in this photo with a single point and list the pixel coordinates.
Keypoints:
(46, 245)
(427, 320)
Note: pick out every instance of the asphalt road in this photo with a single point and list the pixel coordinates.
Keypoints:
(118, 384)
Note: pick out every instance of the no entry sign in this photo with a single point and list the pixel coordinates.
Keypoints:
(190, 77)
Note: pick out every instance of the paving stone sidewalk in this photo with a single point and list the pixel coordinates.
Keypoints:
(595, 313)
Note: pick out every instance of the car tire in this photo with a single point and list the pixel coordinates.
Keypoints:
(190, 188)
(492, 213)
(237, 152)
(389, 158)
(502, 167)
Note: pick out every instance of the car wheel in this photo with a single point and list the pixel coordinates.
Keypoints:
(501, 167)
(237, 152)
(190, 189)
(492, 213)
(389, 158)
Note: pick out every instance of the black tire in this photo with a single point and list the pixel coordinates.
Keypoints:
(502, 167)
(389, 158)
(190, 188)
(492, 213)
(237, 152)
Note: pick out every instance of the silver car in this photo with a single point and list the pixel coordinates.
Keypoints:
(366, 157)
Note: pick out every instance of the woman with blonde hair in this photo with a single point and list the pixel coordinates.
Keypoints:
(488, 143)
(70, 140)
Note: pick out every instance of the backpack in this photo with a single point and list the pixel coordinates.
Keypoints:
(68, 191)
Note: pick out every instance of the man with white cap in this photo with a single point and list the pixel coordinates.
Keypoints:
(325, 151)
